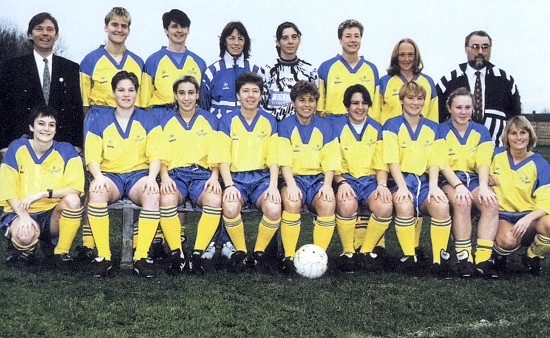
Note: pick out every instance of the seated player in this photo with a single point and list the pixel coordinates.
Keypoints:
(308, 156)
(523, 189)
(249, 171)
(123, 152)
(363, 180)
(413, 151)
(42, 181)
(190, 135)
(466, 184)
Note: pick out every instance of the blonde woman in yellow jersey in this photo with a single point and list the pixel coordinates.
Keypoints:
(469, 149)
(522, 179)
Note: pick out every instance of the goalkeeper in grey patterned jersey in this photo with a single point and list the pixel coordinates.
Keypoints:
(281, 75)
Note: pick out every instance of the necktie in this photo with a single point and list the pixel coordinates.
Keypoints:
(478, 100)
(46, 81)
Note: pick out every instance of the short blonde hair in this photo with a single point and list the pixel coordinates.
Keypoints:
(411, 88)
(520, 122)
(118, 11)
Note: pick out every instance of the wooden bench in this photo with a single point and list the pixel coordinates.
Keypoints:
(128, 218)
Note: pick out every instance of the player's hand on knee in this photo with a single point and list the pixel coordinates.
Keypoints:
(150, 186)
(463, 196)
(345, 193)
(213, 186)
(231, 194)
(26, 202)
(326, 193)
(167, 186)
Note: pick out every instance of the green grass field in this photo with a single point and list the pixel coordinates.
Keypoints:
(36, 301)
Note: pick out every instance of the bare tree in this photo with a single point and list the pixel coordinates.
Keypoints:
(13, 42)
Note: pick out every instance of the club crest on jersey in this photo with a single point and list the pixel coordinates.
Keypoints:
(225, 86)
(165, 74)
(337, 80)
(403, 145)
(452, 151)
(172, 138)
(202, 133)
(262, 135)
(428, 143)
(103, 80)
(54, 170)
(110, 144)
(234, 137)
(524, 180)
(139, 139)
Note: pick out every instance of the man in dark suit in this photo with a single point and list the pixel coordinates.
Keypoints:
(40, 78)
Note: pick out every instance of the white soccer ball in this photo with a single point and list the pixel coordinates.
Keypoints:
(311, 261)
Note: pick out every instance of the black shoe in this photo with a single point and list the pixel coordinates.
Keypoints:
(409, 265)
(63, 261)
(288, 267)
(533, 265)
(442, 269)
(101, 267)
(47, 248)
(197, 266)
(420, 254)
(84, 254)
(499, 261)
(464, 268)
(144, 268)
(178, 263)
(374, 261)
(156, 250)
(238, 261)
(28, 256)
(346, 262)
(260, 263)
(487, 269)
(12, 254)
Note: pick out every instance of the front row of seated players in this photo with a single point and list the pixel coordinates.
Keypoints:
(306, 147)
(42, 181)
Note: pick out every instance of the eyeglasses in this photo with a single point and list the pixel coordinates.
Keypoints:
(484, 47)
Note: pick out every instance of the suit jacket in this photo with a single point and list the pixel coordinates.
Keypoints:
(21, 90)
(501, 102)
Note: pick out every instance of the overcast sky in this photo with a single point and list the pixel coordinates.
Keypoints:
(520, 30)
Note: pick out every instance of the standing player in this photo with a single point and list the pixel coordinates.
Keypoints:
(470, 149)
(96, 71)
(249, 170)
(309, 157)
(123, 152)
(42, 181)
(363, 180)
(283, 73)
(413, 151)
(168, 64)
(523, 190)
(218, 92)
(161, 70)
(190, 134)
(342, 71)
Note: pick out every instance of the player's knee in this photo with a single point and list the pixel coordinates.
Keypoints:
(231, 209)
(71, 201)
(346, 208)
(212, 199)
(273, 212)
(325, 208)
(25, 241)
(543, 226)
(506, 241)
